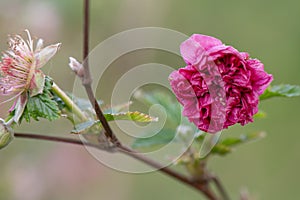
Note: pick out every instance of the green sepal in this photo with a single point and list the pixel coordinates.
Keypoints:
(6, 134)
(38, 81)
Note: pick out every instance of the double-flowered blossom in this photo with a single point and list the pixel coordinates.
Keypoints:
(21, 76)
(220, 86)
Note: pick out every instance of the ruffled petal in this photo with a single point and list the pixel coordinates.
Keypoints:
(205, 41)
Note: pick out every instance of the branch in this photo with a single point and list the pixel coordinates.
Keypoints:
(87, 83)
(166, 170)
(129, 152)
(87, 79)
(220, 187)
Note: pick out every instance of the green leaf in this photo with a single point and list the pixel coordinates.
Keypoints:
(42, 105)
(260, 114)
(161, 138)
(221, 149)
(281, 91)
(226, 146)
(170, 106)
(167, 101)
(132, 116)
(243, 138)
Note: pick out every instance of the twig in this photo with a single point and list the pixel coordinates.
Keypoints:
(87, 79)
(87, 83)
(86, 26)
(220, 187)
(52, 138)
(129, 152)
(166, 170)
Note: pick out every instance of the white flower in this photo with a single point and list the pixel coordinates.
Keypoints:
(20, 70)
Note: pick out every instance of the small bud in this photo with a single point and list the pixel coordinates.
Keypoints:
(76, 67)
(6, 134)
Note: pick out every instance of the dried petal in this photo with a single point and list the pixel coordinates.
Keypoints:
(46, 54)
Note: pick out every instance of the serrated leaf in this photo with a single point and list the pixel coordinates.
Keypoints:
(226, 146)
(281, 91)
(132, 116)
(161, 138)
(42, 105)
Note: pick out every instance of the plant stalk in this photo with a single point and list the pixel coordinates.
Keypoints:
(69, 102)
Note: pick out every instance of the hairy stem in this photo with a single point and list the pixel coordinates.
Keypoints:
(69, 102)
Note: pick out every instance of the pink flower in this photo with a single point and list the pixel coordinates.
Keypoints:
(20, 70)
(220, 86)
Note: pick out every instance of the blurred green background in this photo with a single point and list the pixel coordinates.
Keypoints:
(268, 30)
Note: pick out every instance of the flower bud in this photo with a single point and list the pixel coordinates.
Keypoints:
(76, 67)
(6, 134)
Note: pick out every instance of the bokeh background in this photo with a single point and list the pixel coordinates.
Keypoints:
(268, 30)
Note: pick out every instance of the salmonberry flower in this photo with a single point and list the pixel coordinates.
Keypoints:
(214, 69)
(21, 76)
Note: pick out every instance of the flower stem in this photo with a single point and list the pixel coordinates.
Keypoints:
(69, 102)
